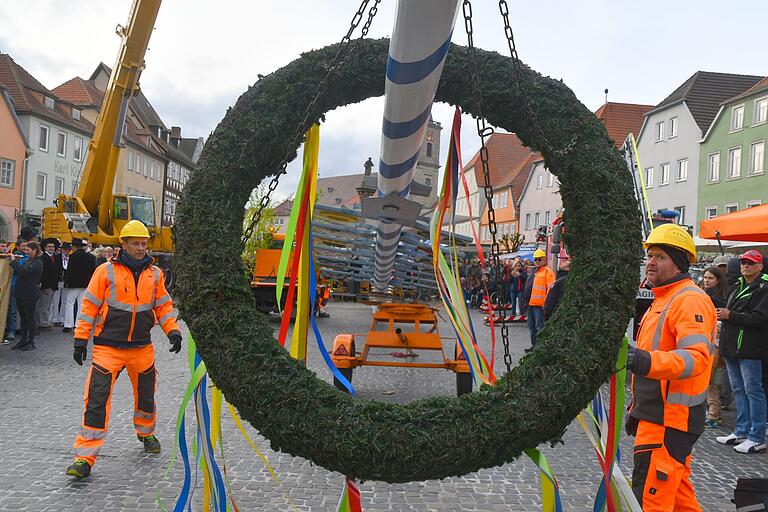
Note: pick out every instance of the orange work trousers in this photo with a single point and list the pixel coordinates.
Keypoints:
(108, 362)
(662, 469)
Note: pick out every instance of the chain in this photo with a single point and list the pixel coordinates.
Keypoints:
(542, 140)
(341, 58)
(484, 131)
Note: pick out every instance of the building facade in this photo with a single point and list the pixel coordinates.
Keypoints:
(13, 155)
(540, 201)
(668, 144)
(732, 160)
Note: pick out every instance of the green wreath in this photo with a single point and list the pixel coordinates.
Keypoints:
(426, 439)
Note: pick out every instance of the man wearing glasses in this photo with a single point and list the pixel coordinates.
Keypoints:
(536, 289)
(743, 345)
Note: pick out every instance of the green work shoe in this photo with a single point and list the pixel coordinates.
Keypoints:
(151, 444)
(80, 469)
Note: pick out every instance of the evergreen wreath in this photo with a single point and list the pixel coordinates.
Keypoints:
(426, 439)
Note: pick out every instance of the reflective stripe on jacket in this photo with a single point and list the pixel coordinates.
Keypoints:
(678, 331)
(543, 279)
(118, 312)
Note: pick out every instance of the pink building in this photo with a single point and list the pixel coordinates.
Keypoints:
(14, 150)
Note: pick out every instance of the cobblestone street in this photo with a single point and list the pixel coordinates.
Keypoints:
(41, 396)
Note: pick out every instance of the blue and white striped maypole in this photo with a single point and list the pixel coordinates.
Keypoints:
(417, 51)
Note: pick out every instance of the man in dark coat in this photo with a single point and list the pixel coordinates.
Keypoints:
(553, 297)
(78, 275)
(49, 283)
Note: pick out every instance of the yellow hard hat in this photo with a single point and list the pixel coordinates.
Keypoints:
(134, 229)
(538, 253)
(673, 236)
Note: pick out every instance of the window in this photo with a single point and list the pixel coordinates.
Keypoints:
(527, 221)
(75, 114)
(78, 151)
(130, 160)
(681, 217)
(146, 167)
(734, 162)
(7, 173)
(547, 217)
(682, 170)
(61, 147)
(49, 103)
(429, 149)
(753, 203)
(649, 177)
(152, 172)
(711, 212)
(550, 178)
(757, 158)
(539, 181)
(42, 181)
(659, 131)
(428, 182)
(121, 208)
(731, 207)
(536, 220)
(737, 118)
(500, 200)
(43, 144)
(664, 179)
(673, 127)
(761, 111)
(59, 186)
(713, 167)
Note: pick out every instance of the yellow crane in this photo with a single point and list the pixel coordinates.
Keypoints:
(94, 212)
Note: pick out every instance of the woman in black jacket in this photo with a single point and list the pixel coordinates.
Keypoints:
(715, 284)
(743, 343)
(28, 272)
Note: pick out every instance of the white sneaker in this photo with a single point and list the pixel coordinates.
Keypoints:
(750, 447)
(730, 440)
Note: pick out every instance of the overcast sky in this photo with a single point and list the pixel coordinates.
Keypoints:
(204, 54)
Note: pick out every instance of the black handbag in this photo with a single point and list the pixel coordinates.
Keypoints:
(751, 494)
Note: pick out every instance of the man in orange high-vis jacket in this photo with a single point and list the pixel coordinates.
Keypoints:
(536, 289)
(671, 366)
(125, 298)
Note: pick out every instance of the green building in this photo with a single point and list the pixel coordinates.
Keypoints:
(732, 155)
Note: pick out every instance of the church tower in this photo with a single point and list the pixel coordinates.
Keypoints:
(428, 165)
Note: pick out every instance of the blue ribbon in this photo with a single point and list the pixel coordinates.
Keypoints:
(312, 293)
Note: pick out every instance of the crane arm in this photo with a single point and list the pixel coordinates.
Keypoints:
(96, 186)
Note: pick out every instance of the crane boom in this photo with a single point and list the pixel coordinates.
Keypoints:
(96, 186)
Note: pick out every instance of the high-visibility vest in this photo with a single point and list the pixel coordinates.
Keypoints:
(542, 282)
(678, 331)
(121, 313)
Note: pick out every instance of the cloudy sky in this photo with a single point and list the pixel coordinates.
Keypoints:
(204, 54)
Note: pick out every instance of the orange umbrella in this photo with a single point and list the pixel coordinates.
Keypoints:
(749, 225)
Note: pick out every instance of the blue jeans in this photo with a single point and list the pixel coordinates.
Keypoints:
(535, 322)
(746, 377)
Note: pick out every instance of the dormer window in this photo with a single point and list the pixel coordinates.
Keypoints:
(75, 114)
(49, 103)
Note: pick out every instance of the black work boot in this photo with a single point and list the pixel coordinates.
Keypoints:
(151, 444)
(19, 345)
(30, 345)
(80, 469)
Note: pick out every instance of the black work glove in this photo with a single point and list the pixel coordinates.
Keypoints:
(638, 361)
(81, 351)
(175, 340)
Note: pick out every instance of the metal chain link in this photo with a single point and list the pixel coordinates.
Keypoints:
(339, 59)
(542, 140)
(484, 131)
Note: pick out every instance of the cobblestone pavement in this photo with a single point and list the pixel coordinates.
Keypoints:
(41, 405)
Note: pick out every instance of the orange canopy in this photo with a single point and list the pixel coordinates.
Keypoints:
(747, 225)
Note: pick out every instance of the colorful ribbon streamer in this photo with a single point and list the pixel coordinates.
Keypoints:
(447, 274)
(350, 498)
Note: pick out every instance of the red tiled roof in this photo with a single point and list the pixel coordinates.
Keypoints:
(621, 119)
(80, 92)
(284, 208)
(759, 86)
(517, 182)
(29, 94)
(505, 152)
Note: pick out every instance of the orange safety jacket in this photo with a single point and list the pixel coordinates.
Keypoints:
(542, 281)
(678, 331)
(121, 313)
